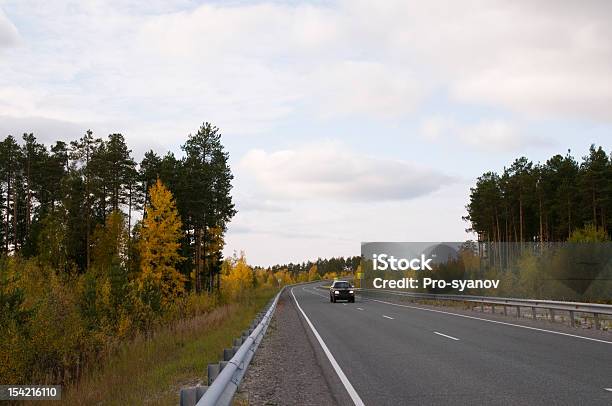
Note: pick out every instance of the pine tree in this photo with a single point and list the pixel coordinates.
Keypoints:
(11, 182)
(159, 245)
(149, 171)
(82, 153)
(205, 198)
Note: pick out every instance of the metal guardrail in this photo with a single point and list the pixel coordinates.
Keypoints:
(596, 309)
(225, 377)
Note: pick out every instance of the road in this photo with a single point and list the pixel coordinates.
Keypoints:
(390, 354)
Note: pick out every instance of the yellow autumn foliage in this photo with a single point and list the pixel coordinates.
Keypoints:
(238, 278)
(159, 245)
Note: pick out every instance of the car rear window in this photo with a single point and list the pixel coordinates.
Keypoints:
(341, 285)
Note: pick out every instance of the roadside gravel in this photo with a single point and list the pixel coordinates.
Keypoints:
(286, 368)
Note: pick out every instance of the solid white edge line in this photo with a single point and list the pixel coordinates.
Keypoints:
(447, 336)
(387, 317)
(608, 389)
(495, 321)
(347, 384)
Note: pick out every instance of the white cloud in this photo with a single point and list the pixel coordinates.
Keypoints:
(435, 127)
(248, 203)
(247, 66)
(544, 58)
(498, 135)
(494, 135)
(47, 130)
(330, 171)
(367, 88)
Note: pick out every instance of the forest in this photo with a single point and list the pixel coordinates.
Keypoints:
(335, 265)
(542, 202)
(72, 190)
(544, 228)
(98, 251)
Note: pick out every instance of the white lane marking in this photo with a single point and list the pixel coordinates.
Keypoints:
(347, 384)
(608, 389)
(444, 335)
(359, 308)
(495, 321)
(344, 304)
(387, 317)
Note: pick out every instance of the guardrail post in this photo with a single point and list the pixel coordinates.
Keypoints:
(596, 320)
(571, 317)
(552, 315)
(505, 310)
(228, 353)
(518, 312)
(200, 391)
(482, 307)
(213, 372)
(533, 312)
(188, 397)
(492, 309)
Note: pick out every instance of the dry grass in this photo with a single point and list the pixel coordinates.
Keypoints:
(152, 371)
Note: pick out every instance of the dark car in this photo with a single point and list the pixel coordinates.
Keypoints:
(341, 290)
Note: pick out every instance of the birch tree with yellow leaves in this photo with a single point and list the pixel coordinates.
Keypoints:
(238, 278)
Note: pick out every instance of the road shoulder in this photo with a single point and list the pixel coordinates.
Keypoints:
(287, 368)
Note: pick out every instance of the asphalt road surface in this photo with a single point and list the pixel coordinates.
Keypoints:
(393, 354)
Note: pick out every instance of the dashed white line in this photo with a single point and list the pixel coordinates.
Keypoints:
(447, 336)
(495, 321)
(359, 308)
(347, 384)
(608, 389)
(387, 317)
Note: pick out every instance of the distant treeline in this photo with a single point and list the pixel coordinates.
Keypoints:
(78, 185)
(338, 266)
(543, 202)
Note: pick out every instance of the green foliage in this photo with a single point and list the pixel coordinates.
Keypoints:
(543, 202)
(589, 233)
(77, 277)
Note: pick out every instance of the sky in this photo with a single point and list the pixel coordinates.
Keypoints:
(346, 121)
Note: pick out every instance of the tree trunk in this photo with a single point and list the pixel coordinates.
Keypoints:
(130, 214)
(28, 197)
(541, 223)
(521, 218)
(15, 238)
(569, 218)
(8, 212)
(594, 208)
(198, 260)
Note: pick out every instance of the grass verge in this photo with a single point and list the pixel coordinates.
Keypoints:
(152, 371)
